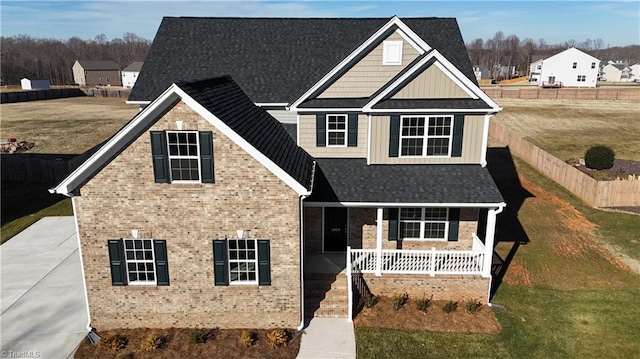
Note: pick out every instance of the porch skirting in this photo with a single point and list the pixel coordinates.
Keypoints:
(443, 287)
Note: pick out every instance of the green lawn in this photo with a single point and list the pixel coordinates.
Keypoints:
(567, 299)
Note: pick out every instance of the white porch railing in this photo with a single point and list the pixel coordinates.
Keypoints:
(432, 262)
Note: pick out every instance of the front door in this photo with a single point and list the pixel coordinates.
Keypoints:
(335, 229)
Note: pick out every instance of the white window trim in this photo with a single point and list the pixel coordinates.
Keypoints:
(422, 225)
(152, 260)
(345, 131)
(255, 261)
(385, 52)
(170, 157)
(425, 137)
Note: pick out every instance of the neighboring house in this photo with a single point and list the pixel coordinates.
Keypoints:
(102, 73)
(356, 156)
(535, 68)
(616, 72)
(130, 74)
(35, 84)
(481, 73)
(569, 68)
(634, 73)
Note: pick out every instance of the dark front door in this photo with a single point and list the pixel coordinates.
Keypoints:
(335, 229)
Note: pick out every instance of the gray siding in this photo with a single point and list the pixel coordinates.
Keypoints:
(284, 116)
(431, 83)
(471, 143)
(368, 75)
(308, 140)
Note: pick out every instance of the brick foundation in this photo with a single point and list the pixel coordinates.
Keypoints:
(451, 287)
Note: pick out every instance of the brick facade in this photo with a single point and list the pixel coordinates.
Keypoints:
(123, 196)
(445, 287)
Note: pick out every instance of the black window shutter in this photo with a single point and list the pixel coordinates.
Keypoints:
(160, 158)
(264, 262)
(206, 157)
(162, 265)
(353, 130)
(117, 262)
(321, 135)
(454, 222)
(458, 129)
(220, 267)
(393, 224)
(394, 136)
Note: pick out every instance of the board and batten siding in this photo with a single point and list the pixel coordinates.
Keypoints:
(307, 141)
(368, 75)
(471, 144)
(431, 83)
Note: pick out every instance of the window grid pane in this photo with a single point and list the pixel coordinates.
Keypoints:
(140, 261)
(242, 260)
(434, 140)
(336, 130)
(184, 158)
(423, 223)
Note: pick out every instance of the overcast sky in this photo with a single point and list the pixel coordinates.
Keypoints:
(615, 22)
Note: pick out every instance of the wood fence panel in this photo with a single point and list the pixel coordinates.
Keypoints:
(565, 93)
(16, 167)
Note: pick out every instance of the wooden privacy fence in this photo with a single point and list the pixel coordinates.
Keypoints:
(618, 193)
(564, 93)
(49, 169)
(105, 92)
(35, 95)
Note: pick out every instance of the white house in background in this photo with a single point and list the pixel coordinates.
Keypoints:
(482, 73)
(634, 74)
(535, 68)
(569, 68)
(130, 74)
(35, 84)
(616, 72)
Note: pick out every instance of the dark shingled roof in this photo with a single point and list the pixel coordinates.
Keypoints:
(102, 65)
(345, 102)
(443, 103)
(223, 98)
(351, 180)
(135, 66)
(274, 60)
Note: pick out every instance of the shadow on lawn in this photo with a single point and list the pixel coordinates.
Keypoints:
(508, 228)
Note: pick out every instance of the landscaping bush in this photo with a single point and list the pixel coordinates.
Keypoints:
(277, 338)
(450, 306)
(113, 343)
(422, 304)
(399, 300)
(370, 300)
(197, 336)
(472, 306)
(152, 342)
(246, 339)
(599, 157)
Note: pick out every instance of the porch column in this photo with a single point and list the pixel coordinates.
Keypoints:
(489, 240)
(379, 243)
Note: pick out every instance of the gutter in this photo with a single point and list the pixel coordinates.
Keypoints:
(84, 281)
(301, 326)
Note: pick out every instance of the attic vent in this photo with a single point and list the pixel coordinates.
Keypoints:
(392, 53)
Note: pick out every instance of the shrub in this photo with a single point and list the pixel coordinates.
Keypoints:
(399, 300)
(472, 306)
(197, 336)
(370, 300)
(152, 342)
(113, 343)
(450, 306)
(422, 304)
(246, 339)
(599, 157)
(277, 338)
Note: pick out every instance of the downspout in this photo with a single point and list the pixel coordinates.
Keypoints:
(485, 140)
(302, 198)
(84, 281)
(498, 211)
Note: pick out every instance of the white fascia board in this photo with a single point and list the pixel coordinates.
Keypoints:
(244, 144)
(138, 102)
(127, 133)
(431, 110)
(332, 110)
(411, 37)
(262, 104)
(404, 205)
(376, 36)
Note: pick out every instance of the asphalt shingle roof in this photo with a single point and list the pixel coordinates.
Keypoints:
(454, 103)
(352, 180)
(134, 67)
(99, 65)
(274, 60)
(225, 99)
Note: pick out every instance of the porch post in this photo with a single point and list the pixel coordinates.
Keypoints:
(489, 240)
(379, 243)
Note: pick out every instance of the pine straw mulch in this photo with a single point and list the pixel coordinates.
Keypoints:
(383, 315)
(219, 343)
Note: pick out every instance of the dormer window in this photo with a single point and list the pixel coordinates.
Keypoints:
(392, 53)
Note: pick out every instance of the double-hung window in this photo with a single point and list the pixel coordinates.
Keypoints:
(140, 262)
(423, 136)
(337, 130)
(582, 78)
(424, 223)
(136, 261)
(241, 261)
(184, 157)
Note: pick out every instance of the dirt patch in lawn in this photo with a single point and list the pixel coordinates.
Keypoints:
(383, 315)
(176, 343)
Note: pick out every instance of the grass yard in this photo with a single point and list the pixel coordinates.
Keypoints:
(567, 128)
(65, 126)
(563, 295)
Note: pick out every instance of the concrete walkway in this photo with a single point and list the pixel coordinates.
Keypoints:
(328, 338)
(44, 314)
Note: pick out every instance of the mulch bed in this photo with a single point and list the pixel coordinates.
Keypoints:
(219, 343)
(383, 315)
(621, 169)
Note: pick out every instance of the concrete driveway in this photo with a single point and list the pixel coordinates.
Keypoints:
(44, 314)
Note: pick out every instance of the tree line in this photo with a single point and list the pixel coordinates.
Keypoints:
(500, 52)
(52, 59)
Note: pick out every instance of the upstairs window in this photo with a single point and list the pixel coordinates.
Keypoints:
(426, 136)
(182, 156)
(582, 78)
(575, 65)
(392, 53)
(337, 130)
(593, 65)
